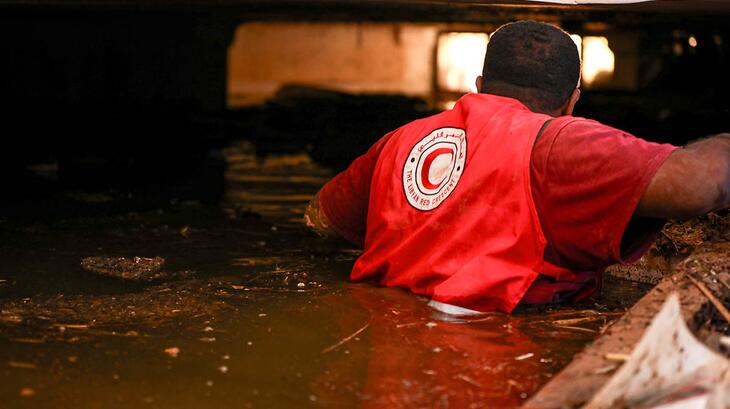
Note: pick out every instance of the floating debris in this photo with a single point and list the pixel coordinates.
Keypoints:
(346, 339)
(63, 327)
(133, 269)
(469, 380)
(21, 365)
(173, 352)
(524, 356)
(707, 293)
(617, 357)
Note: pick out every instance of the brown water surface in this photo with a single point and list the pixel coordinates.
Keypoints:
(269, 321)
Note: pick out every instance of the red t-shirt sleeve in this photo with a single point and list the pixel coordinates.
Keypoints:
(344, 199)
(587, 179)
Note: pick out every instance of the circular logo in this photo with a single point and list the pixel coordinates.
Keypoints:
(433, 168)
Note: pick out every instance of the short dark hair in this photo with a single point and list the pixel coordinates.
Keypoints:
(534, 62)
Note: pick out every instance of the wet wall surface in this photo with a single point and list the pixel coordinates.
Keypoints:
(267, 320)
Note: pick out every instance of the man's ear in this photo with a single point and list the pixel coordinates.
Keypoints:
(479, 83)
(570, 105)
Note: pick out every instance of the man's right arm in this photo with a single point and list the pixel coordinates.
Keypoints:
(340, 208)
(691, 182)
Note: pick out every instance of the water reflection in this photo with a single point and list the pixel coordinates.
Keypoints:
(412, 357)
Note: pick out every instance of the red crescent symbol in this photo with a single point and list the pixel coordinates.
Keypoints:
(425, 170)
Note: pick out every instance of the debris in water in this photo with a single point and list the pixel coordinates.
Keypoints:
(725, 341)
(576, 328)
(223, 369)
(27, 392)
(28, 340)
(469, 380)
(207, 339)
(524, 356)
(135, 268)
(582, 320)
(346, 339)
(185, 232)
(10, 318)
(63, 327)
(617, 357)
(21, 365)
(172, 351)
(717, 303)
(605, 369)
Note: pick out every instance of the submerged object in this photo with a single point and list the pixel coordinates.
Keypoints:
(134, 268)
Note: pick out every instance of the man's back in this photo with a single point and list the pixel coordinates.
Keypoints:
(441, 190)
(470, 235)
(469, 232)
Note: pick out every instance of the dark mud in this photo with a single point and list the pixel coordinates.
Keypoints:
(269, 320)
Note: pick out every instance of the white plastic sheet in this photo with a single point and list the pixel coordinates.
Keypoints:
(668, 368)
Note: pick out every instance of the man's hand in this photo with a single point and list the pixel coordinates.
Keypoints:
(316, 220)
(694, 180)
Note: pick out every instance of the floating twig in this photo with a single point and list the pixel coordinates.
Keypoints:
(22, 365)
(469, 380)
(617, 357)
(723, 282)
(346, 339)
(28, 340)
(524, 356)
(717, 303)
(605, 369)
(71, 326)
(574, 321)
(592, 331)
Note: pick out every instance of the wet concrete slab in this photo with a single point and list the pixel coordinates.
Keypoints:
(268, 320)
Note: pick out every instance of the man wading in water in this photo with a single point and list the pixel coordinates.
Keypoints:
(507, 198)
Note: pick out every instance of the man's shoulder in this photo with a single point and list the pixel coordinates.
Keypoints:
(576, 125)
(578, 133)
(576, 140)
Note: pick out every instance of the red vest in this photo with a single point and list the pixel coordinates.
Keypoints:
(451, 213)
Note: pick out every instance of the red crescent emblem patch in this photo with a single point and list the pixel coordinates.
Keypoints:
(433, 167)
(426, 171)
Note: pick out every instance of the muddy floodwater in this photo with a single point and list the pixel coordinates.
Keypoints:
(266, 318)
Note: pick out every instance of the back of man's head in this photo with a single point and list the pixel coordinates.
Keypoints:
(533, 62)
